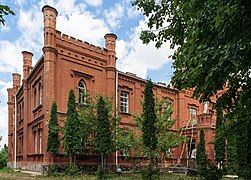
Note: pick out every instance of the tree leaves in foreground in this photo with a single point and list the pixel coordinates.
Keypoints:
(4, 11)
(201, 157)
(53, 134)
(212, 52)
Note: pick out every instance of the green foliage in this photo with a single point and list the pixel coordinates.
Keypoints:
(53, 170)
(53, 136)
(4, 11)
(231, 154)
(3, 156)
(102, 173)
(219, 143)
(149, 132)
(156, 123)
(166, 138)
(73, 139)
(212, 41)
(73, 170)
(201, 157)
(103, 136)
(213, 50)
(150, 173)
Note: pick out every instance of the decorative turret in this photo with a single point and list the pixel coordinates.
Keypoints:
(27, 63)
(16, 81)
(50, 61)
(50, 18)
(110, 44)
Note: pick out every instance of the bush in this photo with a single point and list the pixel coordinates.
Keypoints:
(149, 173)
(102, 173)
(213, 173)
(3, 157)
(53, 170)
(72, 170)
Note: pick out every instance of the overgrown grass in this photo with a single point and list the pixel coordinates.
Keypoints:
(8, 174)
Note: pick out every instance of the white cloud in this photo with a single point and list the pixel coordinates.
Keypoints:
(4, 126)
(4, 112)
(114, 15)
(94, 3)
(20, 2)
(137, 58)
(84, 26)
(11, 58)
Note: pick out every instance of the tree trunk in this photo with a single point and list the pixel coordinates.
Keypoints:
(74, 160)
(70, 156)
(102, 160)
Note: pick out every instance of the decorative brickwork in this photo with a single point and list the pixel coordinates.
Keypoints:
(64, 63)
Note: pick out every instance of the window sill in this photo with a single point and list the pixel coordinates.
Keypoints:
(37, 108)
(36, 154)
(126, 114)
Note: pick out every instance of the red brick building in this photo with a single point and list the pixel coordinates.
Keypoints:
(68, 63)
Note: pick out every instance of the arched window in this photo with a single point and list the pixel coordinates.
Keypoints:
(81, 92)
(35, 97)
(40, 94)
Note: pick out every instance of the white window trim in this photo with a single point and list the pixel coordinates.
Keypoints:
(124, 103)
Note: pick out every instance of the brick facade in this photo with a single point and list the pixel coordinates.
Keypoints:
(64, 63)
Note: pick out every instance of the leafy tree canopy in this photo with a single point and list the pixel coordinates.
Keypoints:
(4, 11)
(212, 42)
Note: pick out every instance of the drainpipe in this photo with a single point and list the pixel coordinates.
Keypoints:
(15, 141)
(116, 114)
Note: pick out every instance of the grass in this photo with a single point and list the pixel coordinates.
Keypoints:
(8, 174)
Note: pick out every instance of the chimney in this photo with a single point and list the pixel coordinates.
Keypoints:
(27, 63)
(10, 95)
(110, 44)
(16, 81)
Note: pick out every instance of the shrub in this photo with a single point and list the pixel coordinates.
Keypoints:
(72, 170)
(53, 170)
(102, 173)
(150, 173)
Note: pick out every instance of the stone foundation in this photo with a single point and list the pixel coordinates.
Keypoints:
(42, 168)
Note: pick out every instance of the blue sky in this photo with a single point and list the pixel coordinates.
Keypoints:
(88, 20)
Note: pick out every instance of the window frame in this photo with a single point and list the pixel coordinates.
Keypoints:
(81, 95)
(192, 116)
(124, 102)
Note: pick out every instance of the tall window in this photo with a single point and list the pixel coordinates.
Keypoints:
(40, 94)
(35, 97)
(124, 102)
(35, 142)
(81, 92)
(193, 120)
(40, 140)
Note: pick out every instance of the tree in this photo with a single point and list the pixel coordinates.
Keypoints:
(219, 143)
(201, 157)
(3, 156)
(212, 40)
(213, 50)
(149, 131)
(4, 11)
(72, 132)
(103, 135)
(53, 136)
(158, 112)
